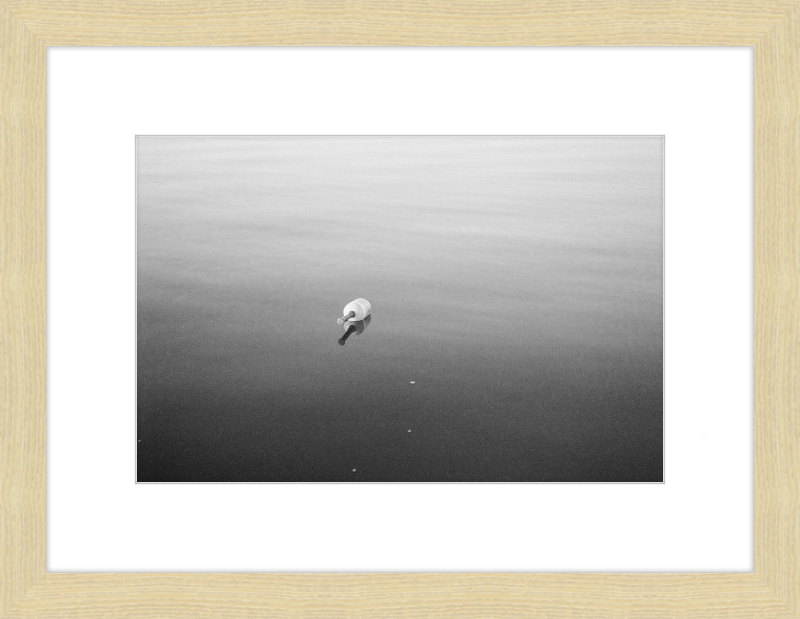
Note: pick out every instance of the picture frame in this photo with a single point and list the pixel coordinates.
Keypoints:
(28, 28)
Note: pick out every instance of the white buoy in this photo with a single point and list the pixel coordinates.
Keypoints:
(355, 310)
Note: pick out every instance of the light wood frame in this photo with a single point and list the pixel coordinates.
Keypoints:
(771, 28)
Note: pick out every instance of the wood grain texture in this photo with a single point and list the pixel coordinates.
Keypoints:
(772, 28)
(394, 595)
(22, 309)
(777, 301)
(395, 22)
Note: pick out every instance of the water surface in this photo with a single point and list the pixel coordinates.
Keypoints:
(516, 286)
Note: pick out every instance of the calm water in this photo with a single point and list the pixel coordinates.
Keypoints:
(516, 287)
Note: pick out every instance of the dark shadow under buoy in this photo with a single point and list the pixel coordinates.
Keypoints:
(351, 327)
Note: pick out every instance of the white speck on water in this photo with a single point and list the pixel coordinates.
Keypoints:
(409, 430)
(412, 381)
(354, 470)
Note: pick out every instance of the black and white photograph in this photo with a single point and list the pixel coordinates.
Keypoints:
(400, 308)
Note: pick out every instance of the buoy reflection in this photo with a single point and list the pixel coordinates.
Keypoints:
(354, 326)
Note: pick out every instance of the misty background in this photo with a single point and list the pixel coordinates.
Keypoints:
(517, 281)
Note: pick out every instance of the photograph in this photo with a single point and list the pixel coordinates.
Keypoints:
(400, 309)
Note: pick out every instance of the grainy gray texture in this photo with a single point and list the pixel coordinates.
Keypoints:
(517, 281)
